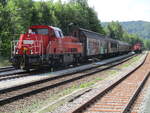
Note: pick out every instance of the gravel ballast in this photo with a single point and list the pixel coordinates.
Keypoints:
(120, 72)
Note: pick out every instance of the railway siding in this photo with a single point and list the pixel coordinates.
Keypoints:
(120, 96)
(101, 85)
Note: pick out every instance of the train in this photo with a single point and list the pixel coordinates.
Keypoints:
(44, 45)
(137, 47)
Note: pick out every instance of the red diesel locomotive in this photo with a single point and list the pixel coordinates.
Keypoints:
(46, 45)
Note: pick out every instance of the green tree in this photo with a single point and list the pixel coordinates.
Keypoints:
(44, 14)
(17, 15)
(16, 18)
(78, 13)
(4, 28)
(114, 30)
(147, 44)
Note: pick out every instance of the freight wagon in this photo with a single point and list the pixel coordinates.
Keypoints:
(97, 45)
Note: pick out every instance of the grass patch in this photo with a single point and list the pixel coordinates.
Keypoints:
(90, 83)
(112, 72)
(136, 58)
(124, 65)
(4, 62)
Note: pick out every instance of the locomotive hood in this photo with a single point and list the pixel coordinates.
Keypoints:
(31, 43)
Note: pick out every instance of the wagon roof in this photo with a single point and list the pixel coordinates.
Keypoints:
(123, 43)
(91, 34)
(110, 39)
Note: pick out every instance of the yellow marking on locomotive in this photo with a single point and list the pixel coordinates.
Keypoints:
(25, 49)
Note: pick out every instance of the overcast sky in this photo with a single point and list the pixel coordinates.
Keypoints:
(121, 10)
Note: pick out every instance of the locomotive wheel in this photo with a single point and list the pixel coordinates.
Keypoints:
(17, 66)
(24, 67)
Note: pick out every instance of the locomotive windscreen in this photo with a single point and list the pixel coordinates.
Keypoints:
(40, 31)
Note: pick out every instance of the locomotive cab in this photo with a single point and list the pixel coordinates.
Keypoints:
(30, 49)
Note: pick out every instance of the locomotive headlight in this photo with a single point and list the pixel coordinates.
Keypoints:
(31, 52)
(17, 51)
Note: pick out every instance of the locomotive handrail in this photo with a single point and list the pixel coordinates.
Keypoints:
(36, 44)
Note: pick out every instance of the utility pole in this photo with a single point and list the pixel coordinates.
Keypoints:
(0, 47)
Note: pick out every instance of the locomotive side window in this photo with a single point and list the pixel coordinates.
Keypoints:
(61, 34)
(52, 33)
(40, 31)
(58, 34)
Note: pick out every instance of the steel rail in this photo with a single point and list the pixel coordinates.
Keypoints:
(8, 68)
(135, 95)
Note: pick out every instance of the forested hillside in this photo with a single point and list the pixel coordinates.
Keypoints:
(141, 28)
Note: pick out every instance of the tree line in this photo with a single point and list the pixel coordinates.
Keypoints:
(17, 15)
(116, 31)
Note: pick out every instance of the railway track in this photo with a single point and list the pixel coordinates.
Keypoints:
(20, 74)
(4, 69)
(14, 74)
(18, 92)
(120, 95)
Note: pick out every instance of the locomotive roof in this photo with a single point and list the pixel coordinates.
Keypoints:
(45, 26)
(91, 34)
